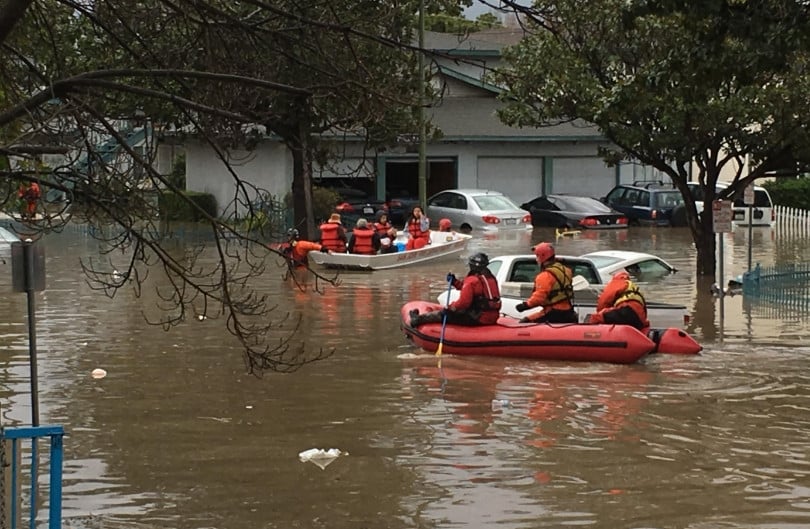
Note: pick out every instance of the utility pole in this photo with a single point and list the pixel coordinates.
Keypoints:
(422, 131)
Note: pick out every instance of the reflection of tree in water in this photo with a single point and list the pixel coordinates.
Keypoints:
(703, 321)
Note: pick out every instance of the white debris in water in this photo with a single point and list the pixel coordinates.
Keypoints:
(98, 373)
(320, 457)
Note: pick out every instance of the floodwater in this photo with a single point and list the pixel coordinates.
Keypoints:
(178, 435)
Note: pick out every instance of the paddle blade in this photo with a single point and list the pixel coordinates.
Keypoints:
(439, 349)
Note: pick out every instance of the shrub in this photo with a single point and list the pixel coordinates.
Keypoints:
(324, 201)
(174, 207)
(789, 192)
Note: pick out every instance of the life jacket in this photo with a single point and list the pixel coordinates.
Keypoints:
(564, 289)
(415, 230)
(330, 237)
(490, 299)
(382, 228)
(363, 241)
(630, 293)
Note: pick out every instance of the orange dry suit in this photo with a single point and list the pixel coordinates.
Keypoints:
(621, 303)
(298, 251)
(554, 290)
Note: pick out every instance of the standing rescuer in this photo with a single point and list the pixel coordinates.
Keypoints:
(553, 290)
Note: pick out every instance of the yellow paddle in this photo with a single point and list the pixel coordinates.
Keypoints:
(450, 278)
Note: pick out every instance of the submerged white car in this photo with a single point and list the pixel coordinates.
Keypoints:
(515, 275)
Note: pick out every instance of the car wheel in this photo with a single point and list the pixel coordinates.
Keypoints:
(465, 228)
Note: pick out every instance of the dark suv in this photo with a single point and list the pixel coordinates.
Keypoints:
(645, 203)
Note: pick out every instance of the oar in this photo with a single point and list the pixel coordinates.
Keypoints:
(444, 317)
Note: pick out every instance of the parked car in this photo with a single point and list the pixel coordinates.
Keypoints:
(399, 208)
(569, 211)
(477, 209)
(762, 212)
(645, 203)
(642, 267)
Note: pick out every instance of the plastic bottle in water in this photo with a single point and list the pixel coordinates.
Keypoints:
(499, 404)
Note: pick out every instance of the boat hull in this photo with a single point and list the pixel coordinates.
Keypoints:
(620, 344)
(440, 246)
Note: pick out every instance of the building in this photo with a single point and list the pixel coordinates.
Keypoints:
(475, 150)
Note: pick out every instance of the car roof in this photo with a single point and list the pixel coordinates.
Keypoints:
(623, 256)
(472, 191)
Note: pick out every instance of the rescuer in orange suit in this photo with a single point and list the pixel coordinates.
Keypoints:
(297, 250)
(30, 194)
(621, 303)
(553, 290)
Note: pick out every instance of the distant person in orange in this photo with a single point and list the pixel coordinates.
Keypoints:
(418, 228)
(30, 194)
(621, 303)
(297, 250)
(386, 232)
(333, 235)
(365, 240)
(553, 290)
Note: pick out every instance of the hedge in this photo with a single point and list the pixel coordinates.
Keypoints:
(174, 207)
(789, 192)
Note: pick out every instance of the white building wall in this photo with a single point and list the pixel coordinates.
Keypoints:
(268, 167)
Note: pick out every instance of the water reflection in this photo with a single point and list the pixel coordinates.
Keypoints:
(178, 436)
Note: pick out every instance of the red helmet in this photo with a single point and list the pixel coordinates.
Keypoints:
(622, 274)
(544, 252)
(445, 225)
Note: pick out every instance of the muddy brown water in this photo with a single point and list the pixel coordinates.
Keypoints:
(178, 435)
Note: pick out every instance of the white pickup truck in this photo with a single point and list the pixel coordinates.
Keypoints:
(515, 275)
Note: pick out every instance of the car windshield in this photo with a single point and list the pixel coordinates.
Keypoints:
(494, 203)
(580, 204)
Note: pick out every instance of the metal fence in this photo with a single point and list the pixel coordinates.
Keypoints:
(20, 490)
(786, 285)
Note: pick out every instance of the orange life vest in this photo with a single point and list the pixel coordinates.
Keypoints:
(363, 241)
(330, 237)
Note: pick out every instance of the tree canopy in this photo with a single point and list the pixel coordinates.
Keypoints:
(688, 88)
(76, 76)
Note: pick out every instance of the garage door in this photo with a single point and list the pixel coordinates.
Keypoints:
(521, 179)
(582, 176)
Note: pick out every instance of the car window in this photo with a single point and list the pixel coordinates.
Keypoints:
(615, 196)
(761, 200)
(669, 199)
(550, 203)
(586, 271)
(586, 204)
(494, 202)
(524, 271)
(643, 199)
(631, 197)
(442, 200)
(458, 201)
(648, 269)
(494, 267)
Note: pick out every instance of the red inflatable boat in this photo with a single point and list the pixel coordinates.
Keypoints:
(620, 344)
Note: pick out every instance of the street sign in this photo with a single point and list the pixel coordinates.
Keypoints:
(748, 197)
(722, 214)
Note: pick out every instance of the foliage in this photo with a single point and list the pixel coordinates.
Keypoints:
(445, 23)
(789, 192)
(177, 177)
(96, 82)
(670, 83)
(324, 201)
(189, 206)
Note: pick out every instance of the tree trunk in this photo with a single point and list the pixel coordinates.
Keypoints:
(303, 214)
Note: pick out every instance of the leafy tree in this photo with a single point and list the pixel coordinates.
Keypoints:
(669, 83)
(83, 78)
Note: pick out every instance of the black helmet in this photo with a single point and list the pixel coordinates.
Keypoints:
(292, 233)
(478, 262)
